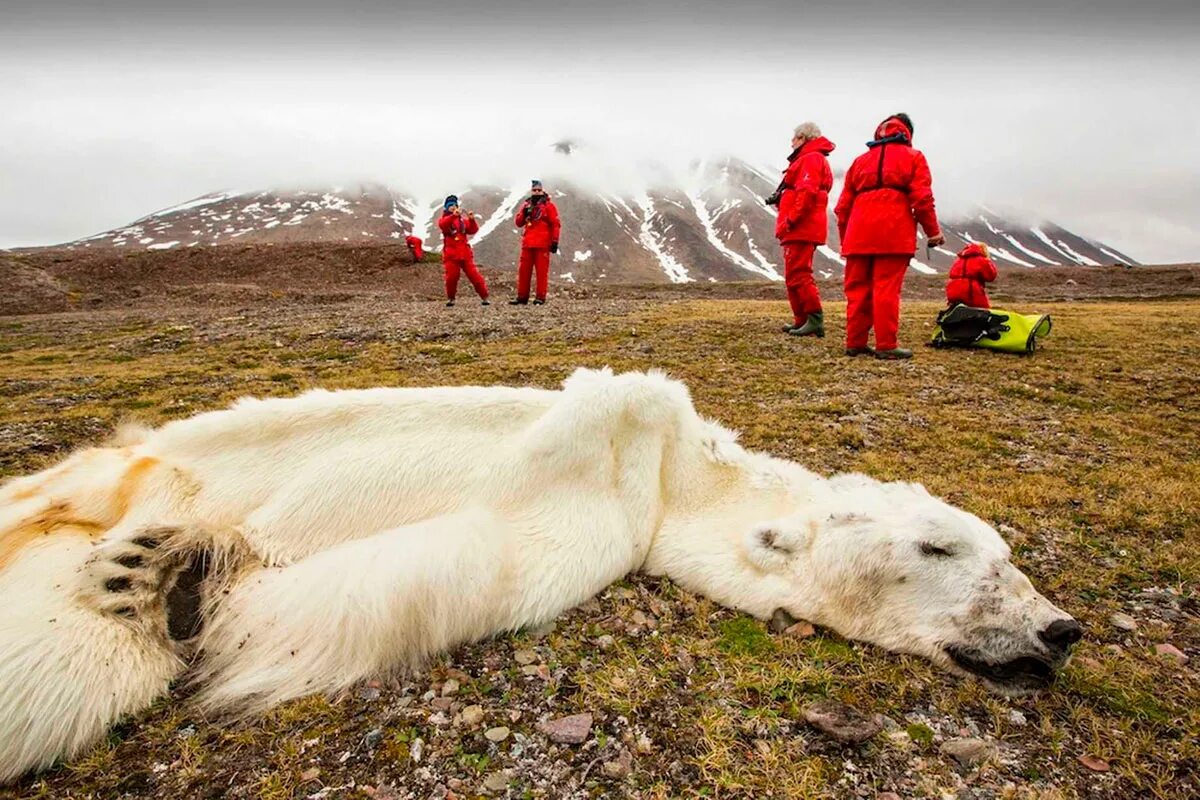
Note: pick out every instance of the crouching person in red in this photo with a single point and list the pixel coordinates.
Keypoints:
(802, 225)
(539, 217)
(457, 255)
(887, 192)
(971, 270)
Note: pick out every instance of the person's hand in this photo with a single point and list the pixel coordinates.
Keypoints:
(936, 241)
(554, 247)
(457, 211)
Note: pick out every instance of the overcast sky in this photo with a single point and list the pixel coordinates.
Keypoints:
(1085, 113)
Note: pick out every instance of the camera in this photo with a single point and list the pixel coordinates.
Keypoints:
(773, 200)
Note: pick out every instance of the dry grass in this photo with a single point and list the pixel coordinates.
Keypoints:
(1084, 456)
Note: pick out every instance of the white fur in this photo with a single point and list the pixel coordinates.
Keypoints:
(366, 530)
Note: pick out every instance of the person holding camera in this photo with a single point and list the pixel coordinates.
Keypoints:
(888, 190)
(802, 225)
(457, 227)
(539, 218)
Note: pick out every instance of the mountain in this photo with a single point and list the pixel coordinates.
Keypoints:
(709, 224)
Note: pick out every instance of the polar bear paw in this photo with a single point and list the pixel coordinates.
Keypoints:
(133, 578)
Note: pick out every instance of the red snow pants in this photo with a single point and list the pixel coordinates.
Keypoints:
(798, 276)
(453, 265)
(873, 286)
(533, 258)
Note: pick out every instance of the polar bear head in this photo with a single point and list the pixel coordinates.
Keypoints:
(889, 564)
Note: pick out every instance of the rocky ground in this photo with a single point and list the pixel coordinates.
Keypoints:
(1083, 455)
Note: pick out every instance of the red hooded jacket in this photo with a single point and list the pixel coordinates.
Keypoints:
(887, 191)
(540, 222)
(968, 275)
(804, 203)
(455, 232)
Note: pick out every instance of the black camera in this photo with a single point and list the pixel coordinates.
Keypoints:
(773, 200)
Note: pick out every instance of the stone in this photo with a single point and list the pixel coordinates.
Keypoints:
(309, 774)
(801, 630)
(574, 729)
(1172, 652)
(441, 703)
(620, 767)
(606, 642)
(524, 657)
(1094, 763)
(968, 751)
(841, 722)
(781, 621)
(450, 687)
(1123, 622)
(1017, 718)
(472, 715)
(497, 734)
(496, 782)
(373, 738)
(368, 693)
(887, 796)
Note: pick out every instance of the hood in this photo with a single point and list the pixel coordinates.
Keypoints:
(817, 145)
(974, 250)
(891, 130)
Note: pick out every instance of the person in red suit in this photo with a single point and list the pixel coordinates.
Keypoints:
(457, 255)
(971, 270)
(802, 225)
(415, 247)
(539, 217)
(888, 190)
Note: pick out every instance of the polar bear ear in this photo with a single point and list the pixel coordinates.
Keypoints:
(770, 547)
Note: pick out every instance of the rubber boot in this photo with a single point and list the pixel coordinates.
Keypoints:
(860, 351)
(893, 355)
(813, 326)
(518, 301)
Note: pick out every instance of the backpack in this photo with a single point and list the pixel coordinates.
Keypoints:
(1006, 331)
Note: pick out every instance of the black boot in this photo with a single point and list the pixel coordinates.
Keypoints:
(539, 302)
(813, 326)
(485, 302)
(893, 355)
(860, 351)
(518, 301)
(449, 303)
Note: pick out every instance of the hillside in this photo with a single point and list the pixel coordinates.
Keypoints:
(707, 225)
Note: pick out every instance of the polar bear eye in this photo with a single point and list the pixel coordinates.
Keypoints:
(931, 549)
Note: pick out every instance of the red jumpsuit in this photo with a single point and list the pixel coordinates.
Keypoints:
(457, 255)
(968, 275)
(802, 223)
(542, 227)
(414, 246)
(887, 191)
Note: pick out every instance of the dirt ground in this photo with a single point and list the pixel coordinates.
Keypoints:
(1083, 455)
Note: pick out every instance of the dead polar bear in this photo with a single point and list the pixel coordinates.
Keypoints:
(337, 535)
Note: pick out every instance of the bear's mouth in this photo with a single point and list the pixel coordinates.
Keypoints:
(1022, 674)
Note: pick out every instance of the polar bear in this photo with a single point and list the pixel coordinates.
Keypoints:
(284, 547)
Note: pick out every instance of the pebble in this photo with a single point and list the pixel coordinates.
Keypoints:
(524, 657)
(1094, 763)
(1017, 718)
(606, 642)
(417, 750)
(496, 782)
(620, 767)
(887, 796)
(801, 630)
(1123, 622)
(568, 730)
(441, 703)
(968, 752)
(373, 738)
(497, 734)
(781, 621)
(841, 722)
(472, 715)
(1171, 651)
(368, 693)
(309, 774)
(450, 687)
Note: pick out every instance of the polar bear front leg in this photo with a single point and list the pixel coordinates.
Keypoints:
(368, 606)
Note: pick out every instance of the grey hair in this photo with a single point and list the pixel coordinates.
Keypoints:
(807, 130)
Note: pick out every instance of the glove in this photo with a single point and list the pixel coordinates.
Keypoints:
(554, 247)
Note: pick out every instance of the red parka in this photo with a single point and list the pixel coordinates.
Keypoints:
(887, 191)
(804, 203)
(968, 275)
(456, 229)
(541, 224)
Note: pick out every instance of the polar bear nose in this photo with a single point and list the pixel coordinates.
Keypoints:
(1062, 633)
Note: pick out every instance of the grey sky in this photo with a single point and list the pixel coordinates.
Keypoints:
(1084, 113)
